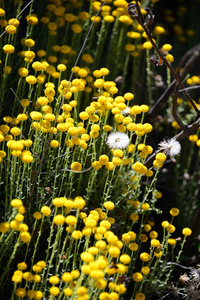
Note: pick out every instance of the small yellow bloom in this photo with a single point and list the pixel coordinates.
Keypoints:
(171, 228)
(8, 49)
(144, 256)
(54, 291)
(174, 212)
(139, 168)
(25, 237)
(76, 167)
(45, 210)
(11, 29)
(186, 231)
(147, 45)
(137, 277)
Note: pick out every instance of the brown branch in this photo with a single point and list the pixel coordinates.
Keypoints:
(134, 10)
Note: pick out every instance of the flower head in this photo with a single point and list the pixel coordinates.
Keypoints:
(171, 147)
(118, 140)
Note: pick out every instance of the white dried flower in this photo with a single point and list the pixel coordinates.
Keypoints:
(125, 111)
(170, 147)
(118, 140)
(195, 275)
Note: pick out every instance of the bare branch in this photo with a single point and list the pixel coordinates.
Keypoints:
(21, 12)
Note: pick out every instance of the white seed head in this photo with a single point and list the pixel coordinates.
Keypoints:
(118, 140)
(125, 111)
(170, 147)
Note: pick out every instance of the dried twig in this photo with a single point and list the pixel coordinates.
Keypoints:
(21, 12)
(134, 10)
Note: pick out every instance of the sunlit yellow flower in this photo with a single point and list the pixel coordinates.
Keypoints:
(186, 231)
(11, 29)
(8, 49)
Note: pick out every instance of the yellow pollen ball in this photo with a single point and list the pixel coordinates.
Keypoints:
(137, 277)
(114, 251)
(186, 231)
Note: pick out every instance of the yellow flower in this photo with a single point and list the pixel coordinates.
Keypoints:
(145, 270)
(32, 19)
(35, 115)
(144, 256)
(171, 228)
(83, 115)
(76, 28)
(11, 29)
(45, 210)
(77, 234)
(23, 72)
(137, 277)
(16, 203)
(37, 215)
(29, 42)
(114, 251)
(25, 237)
(104, 71)
(31, 79)
(20, 292)
(61, 67)
(134, 217)
(117, 161)
(174, 212)
(7, 69)
(4, 227)
(54, 291)
(2, 12)
(15, 131)
(54, 280)
(37, 66)
(66, 277)
(81, 291)
(109, 205)
(155, 243)
(172, 242)
(167, 47)
(139, 168)
(153, 234)
(140, 296)
(68, 292)
(145, 206)
(159, 254)
(54, 144)
(76, 166)
(22, 117)
(59, 219)
(169, 58)
(87, 257)
(41, 53)
(126, 20)
(157, 164)
(30, 55)
(22, 266)
(71, 220)
(147, 45)
(159, 30)
(8, 49)
(82, 73)
(103, 159)
(186, 231)
(133, 247)
(125, 259)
